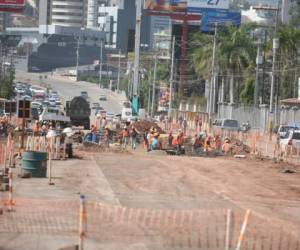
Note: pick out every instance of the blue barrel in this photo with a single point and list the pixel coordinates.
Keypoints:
(35, 163)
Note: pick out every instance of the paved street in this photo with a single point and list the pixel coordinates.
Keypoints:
(68, 89)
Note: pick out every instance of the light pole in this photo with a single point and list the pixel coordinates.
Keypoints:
(171, 78)
(135, 98)
(275, 47)
(77, 53)
(153, 85)
(258, 63)
(211, 92)
(119, 69)
(101, 63)
(77, 59)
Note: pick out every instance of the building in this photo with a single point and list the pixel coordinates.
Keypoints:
(70, 13)
(287, 10)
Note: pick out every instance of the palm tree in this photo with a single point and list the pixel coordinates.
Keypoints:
(289, 43)
(238, 54)
(235, 53)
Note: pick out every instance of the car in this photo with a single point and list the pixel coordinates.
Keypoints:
(36, 104)
(100, 108)
(19, 90)
(117, 118)
(57, 101)
(100, 113)
(95, 105)
(52, 102)
(26, 97)
(102, 98)
(291, 138)
(284, 129)
(226, 124)
(84, 94)
(126, 104)
(109, 116)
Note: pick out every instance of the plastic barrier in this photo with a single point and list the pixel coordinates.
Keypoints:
(157, 228)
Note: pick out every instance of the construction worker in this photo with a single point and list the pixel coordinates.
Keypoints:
(226, 147)
(94, 133)
(125, 136)
(208, 144)
(218, 142)
(170, 139)
(106, 136)
(36, 128)
(180, 141)
(133, 137)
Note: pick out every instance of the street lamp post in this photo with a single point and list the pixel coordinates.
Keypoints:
(77, 53)
(100, 63)
(258, 63)
(77, 59)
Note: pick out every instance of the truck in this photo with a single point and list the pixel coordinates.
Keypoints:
(79, 111)
(126, 114)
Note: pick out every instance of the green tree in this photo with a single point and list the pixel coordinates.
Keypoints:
(289, 44)
(235, 55)
(238, 55)
(247, 93)
(7, 85)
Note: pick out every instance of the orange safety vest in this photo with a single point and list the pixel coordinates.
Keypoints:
(125, 133)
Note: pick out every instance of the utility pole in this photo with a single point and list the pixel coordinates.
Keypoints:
(275, 47)
(135, 97)
(101, 63)
(258, 62)
(211, 91)
(171, 78)
(153, 85)
(77, 59)
(119, 69)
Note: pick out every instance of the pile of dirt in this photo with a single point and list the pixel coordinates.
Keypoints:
(238, 147)
(143, 125)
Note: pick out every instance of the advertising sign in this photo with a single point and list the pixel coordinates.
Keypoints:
(163, 102)
(220, 18)
(197, 6)
(12, 5)
(166, 5)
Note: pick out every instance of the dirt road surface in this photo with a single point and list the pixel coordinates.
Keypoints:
(152, 201)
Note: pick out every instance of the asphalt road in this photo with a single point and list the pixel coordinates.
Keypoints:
(68, 89)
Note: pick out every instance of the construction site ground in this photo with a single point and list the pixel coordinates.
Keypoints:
(142, 180)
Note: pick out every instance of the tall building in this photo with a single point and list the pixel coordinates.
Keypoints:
(70, 13)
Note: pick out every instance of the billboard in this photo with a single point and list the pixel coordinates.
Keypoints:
(220, 18)
(166, 5)
(199, 5)
(163, 102)
(12, 5)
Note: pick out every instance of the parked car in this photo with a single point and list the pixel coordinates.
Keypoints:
(102, 98)
(226, 124)
(284, 129)
(292, 138)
